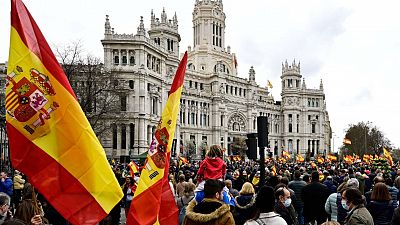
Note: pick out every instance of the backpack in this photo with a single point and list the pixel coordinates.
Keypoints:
(182, 212)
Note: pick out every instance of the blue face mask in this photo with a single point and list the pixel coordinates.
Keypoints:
(344, 204)
(287, 202)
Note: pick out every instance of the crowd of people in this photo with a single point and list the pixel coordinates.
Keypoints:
(214, 191)
(293, 193)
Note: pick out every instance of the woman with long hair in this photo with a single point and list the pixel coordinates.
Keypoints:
(245, 204)
(381, 206)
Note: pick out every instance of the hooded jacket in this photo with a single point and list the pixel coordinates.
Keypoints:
(244, 208)
(211, 168)
(208, 212)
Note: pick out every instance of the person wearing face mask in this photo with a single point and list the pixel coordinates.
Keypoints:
(284, 207)
(211, 210)
(353, 201)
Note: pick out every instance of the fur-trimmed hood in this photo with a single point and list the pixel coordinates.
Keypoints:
(221, 214)
(245, 201)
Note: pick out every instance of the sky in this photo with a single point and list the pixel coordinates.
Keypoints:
(353, 46)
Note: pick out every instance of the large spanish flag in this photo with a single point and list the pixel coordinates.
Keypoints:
(51, 141)
(154, 202)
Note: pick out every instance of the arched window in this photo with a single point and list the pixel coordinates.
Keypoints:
(132, 60)
(116, 60)
(148, 61)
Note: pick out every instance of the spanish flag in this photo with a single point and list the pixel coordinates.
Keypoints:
(346, 141)
(133, 168)
(269, 84)
(154, 202)
(51, 141)
(388, 156)
(299, 158)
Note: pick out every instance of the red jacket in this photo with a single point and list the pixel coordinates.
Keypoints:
(211, 168)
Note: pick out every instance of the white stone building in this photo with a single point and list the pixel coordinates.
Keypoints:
(217, 105)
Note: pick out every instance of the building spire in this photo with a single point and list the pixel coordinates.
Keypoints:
(107, 26)
(140, 29)
(303, 86)
(175, 20)
(321, 86)
(163, 16)
(252, 74)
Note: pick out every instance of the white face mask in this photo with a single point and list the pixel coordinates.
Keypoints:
(344, 205)
(287, 202)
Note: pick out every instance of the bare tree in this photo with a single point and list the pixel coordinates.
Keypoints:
(98, 91)
(365, 139)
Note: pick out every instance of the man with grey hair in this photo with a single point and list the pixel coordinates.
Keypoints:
(5, 213)
(353, 183)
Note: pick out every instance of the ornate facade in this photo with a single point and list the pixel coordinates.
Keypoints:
(217, 105)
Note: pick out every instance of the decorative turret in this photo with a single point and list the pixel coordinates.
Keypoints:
(175, 20)
(163, 16)
(321, 86)
(252, 74)
(291, 69)
(152, 18)
(107, 30)
(303, 86)
(140, 29)
(165, 32)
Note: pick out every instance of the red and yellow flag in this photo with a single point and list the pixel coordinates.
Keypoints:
(183, 160)
(299, 158)
(51, 141)
(286, 154)
(154, 202)
(388, 156)
(133, 168)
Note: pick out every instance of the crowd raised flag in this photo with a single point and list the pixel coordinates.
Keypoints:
(388, 156)
(133, 168)
(154, 202)
(51, 141)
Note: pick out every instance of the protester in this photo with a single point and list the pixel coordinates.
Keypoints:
(334, 207)
(30, 207)
(211, 210)
(18, 186)
(283, 206)
(353, 201)
(5, 212)
(297, 185)
(212, 167)
(232, 191)
(314, 196)
(180, 186)
(396, 216)
(381, 207)
(6, 184)
(182, 202)
(265, 202)
(245, 204)
(128, 188)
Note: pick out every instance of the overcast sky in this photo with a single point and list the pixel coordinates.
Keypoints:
(353, 46)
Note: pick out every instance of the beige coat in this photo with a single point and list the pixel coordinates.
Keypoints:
(18, 182)
(221, 216)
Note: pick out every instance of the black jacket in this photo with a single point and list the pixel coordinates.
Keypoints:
(314, 196)
(244, 208)
(288, 214)
(297, 186)
(381, 212)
